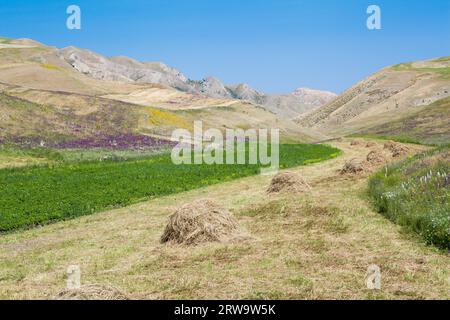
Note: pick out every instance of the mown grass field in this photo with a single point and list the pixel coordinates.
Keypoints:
(415, 193)
(38, 195)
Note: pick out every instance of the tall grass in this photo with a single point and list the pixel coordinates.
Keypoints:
(415, 193)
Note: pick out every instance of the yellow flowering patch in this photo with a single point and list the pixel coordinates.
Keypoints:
(50, 66)
(157, 117)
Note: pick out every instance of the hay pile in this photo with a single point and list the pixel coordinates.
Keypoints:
(353, 166)
(376, 157)
(92, 292)
(355, 142)
(370, 144)
(202, 221)
(396, 149)
(288, 181)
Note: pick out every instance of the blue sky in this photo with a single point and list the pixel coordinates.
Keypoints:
(274, 45)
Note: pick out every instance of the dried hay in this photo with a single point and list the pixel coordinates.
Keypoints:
(92, 292)
(355, 142)
(354, 166)
(202, 221)
(288, 181)
(397, 149)
(376, 157)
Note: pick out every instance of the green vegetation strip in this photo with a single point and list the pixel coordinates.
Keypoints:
(38, 195)
(415, 193)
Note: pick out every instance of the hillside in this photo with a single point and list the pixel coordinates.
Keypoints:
(390, 95)
(124, 69)
(430, 125)
(44, 97)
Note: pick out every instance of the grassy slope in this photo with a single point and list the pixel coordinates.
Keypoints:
(21, 118)
(308, 246)
(416, 194)
(68, 96)
(443, 72)
(46, 193)
(429, 126)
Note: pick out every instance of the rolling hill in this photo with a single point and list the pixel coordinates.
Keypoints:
(125, 69)
(398, 97)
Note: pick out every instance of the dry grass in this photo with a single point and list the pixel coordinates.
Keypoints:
(356, 142)
(311, 247)
(92, 292)
(10, 161)
(397, 149)
(353, 166)
(202, 221)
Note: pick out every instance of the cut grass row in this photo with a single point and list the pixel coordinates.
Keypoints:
(34, 196)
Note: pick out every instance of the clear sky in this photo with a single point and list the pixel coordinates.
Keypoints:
(273, 45)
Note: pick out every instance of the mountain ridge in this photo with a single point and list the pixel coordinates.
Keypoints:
(122, 68)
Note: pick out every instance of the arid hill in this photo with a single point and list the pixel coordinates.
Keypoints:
(66, 97)
(397, 93)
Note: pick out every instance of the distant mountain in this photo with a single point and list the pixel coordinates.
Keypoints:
(123, 69)
(130, 70)
(296, 103)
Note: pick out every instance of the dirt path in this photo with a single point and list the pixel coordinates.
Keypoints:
(311, 246)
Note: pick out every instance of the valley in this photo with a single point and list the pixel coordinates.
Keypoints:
(87, 180)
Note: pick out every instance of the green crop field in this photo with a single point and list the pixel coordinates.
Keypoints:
(38, 195)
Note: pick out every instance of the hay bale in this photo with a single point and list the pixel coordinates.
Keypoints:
(397, 149)
(389, 144)
(355, 142)
(353, 166)
(92, 292)
(202, 221)
(376, 157)
(370, 144)
(288, 181)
